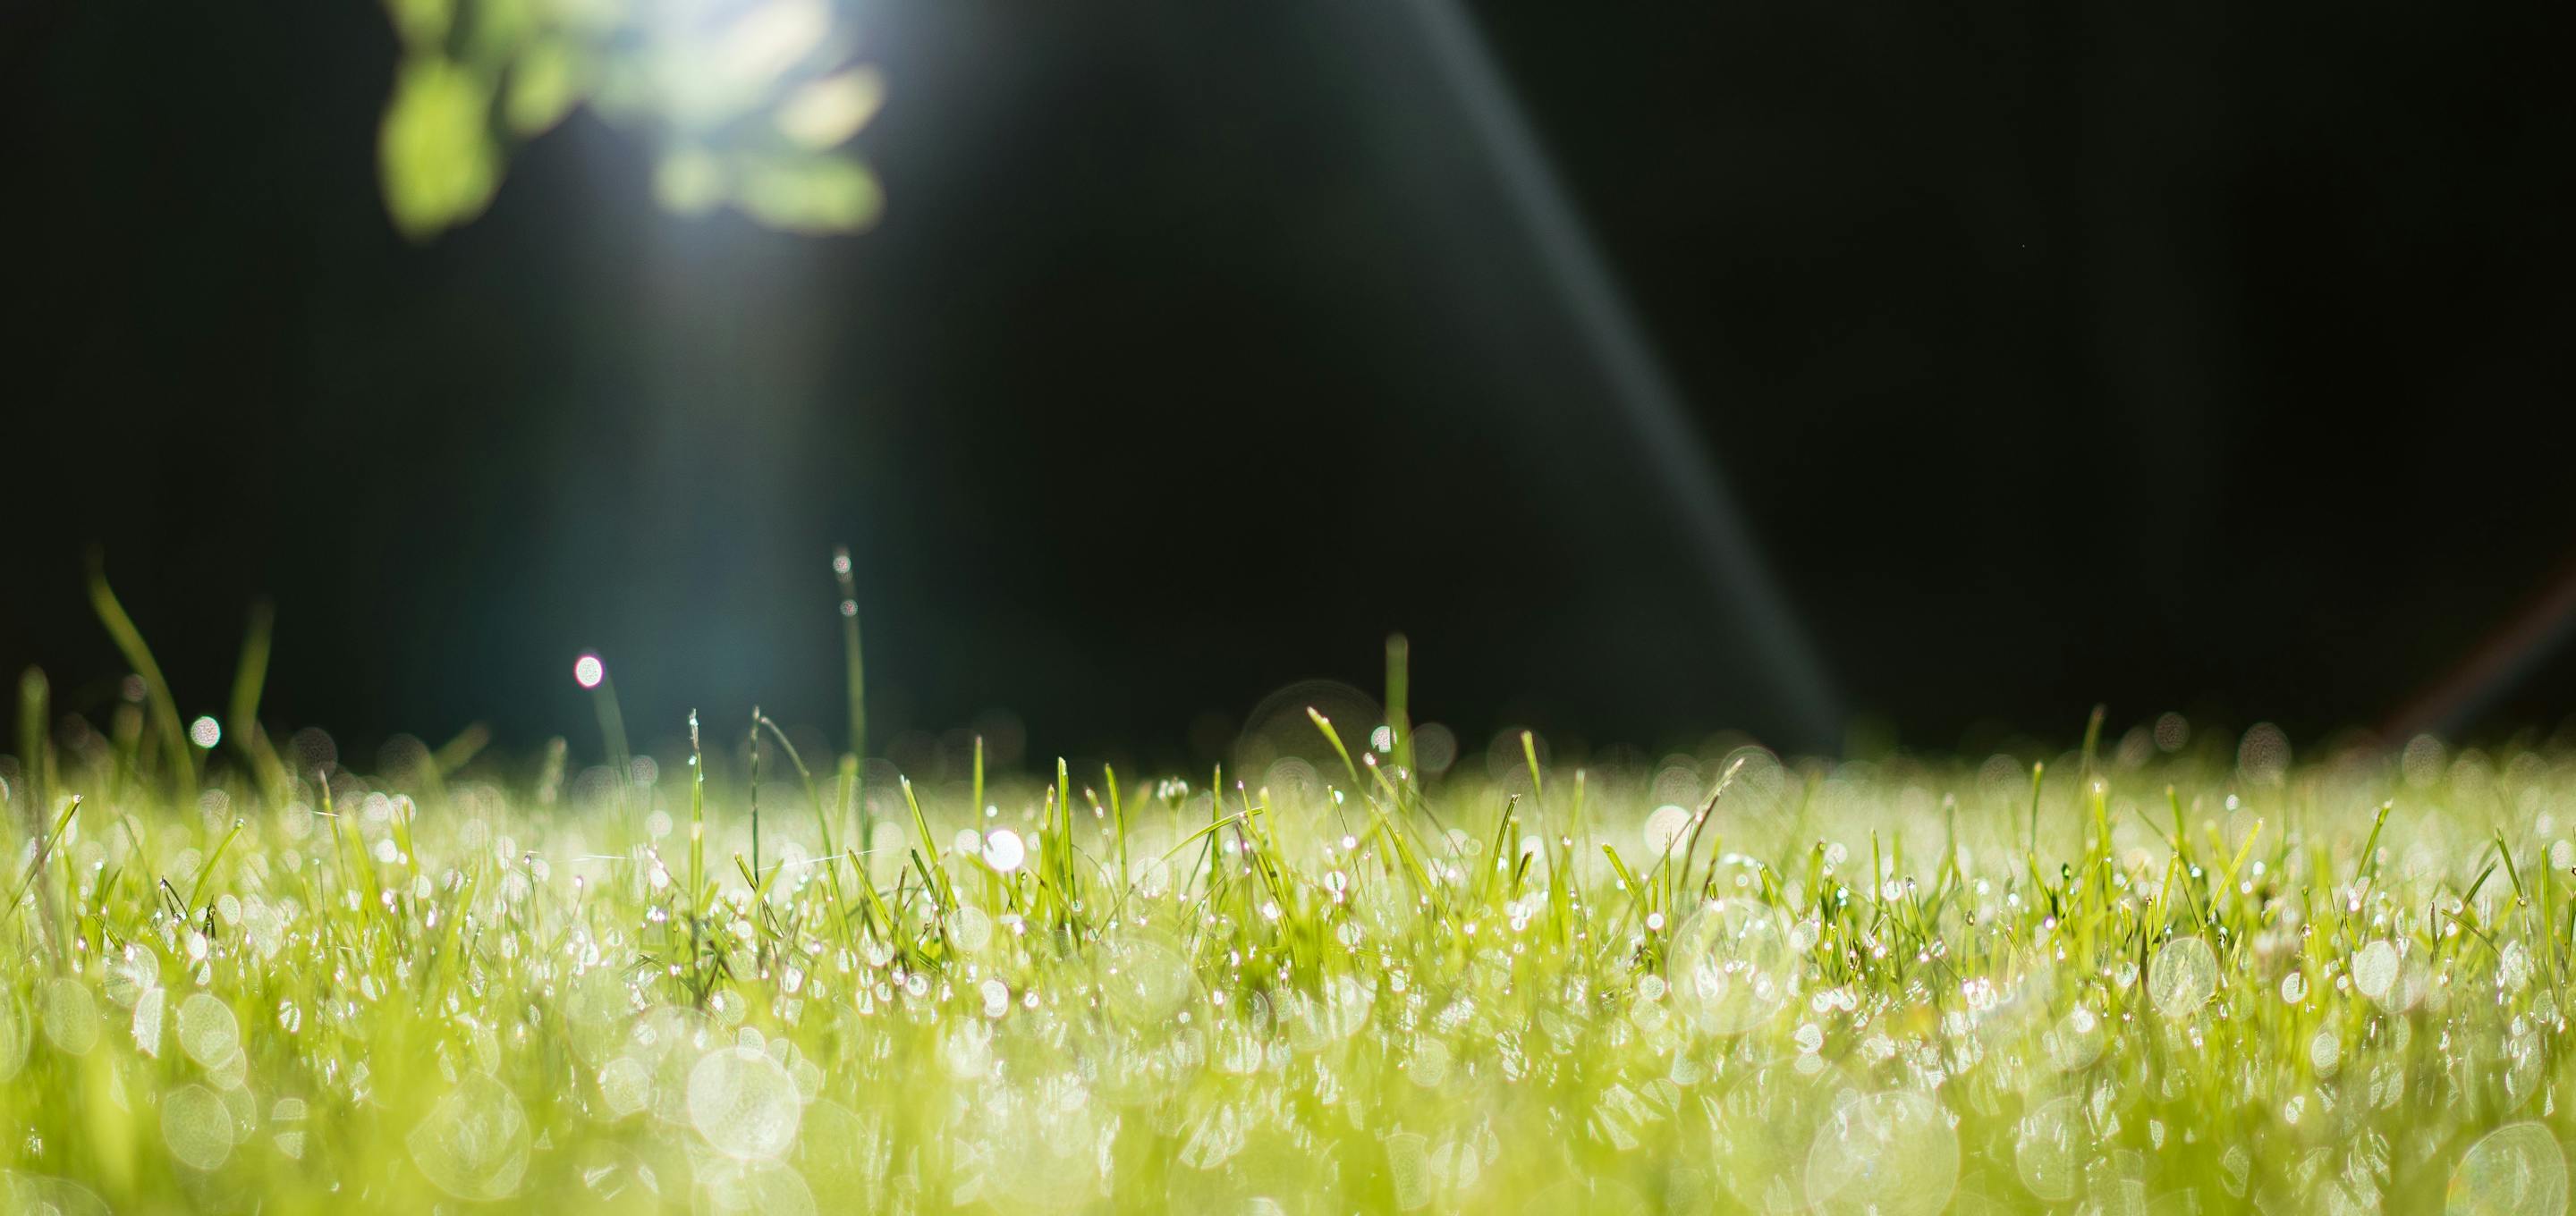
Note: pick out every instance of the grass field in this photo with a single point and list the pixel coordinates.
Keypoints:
(2162, 974)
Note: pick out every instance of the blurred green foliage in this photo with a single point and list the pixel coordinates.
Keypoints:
(748, 103)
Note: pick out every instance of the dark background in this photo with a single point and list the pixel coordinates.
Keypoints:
(2204, 356)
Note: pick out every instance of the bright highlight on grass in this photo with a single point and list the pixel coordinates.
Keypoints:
(1002, 851)
(587, 671)
(2161, 977)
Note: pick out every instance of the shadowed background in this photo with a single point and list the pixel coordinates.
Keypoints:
(2212, 359)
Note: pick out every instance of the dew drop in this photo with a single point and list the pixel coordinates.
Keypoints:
(971, 928)
(2517, 1170)
(70, 1016)
(2325, 1053)
(2374, 970)
(1663, 830)
(147, 1023)
(1408, 1170)
(1886, 1154)
(197, 1127)
(2076, 1041)
(39, 1195)
(1003, 850)
(131, 972)
(2183, 976)
(1732, 966)
(744, 1103)
(769, 1188)
(208, 1032)
(625, 1085)
(2044, 1150)
(1143, 982)
(474, 1143)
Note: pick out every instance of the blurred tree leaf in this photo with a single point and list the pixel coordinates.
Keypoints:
(501, 27)
(747, 98)
(544, 86)
(422, 23)
(827, 112)
(689, 181)
(435, 150)
(809, 194)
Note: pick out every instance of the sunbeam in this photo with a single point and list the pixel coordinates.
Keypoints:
(1725, 551)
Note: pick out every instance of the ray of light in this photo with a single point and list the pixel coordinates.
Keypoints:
(1726, 553)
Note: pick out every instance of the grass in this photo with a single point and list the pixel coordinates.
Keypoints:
(2132, 978)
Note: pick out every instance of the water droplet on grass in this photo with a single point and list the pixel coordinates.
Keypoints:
(770, 1188)
(130, 972)
(1663, 831)
(1732, 967)
(474, 1143)
(197, 1127)
(2183, 976)
(667, 1041)
(837, 1154)
(625, 1086)
(1455, 1167)
(971, 928)
(147, 1023)
(1886, 1154)
(1318, 1021)
(1003, 850)
(2374, 970)
(596, 1010)
(1761, 1130)
(2076, 1041)
(2044, 1150)
(1143, 981)
(2513, 969)
(70, 1016)
(208, 1032)
(1408, 1170)
(2325, 1053)
(1430, 1063)
(614, 1179)
(38, 1195)
(2517, 1170)
(744, 1103)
